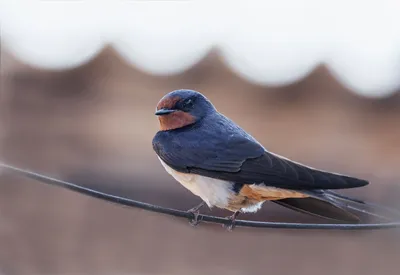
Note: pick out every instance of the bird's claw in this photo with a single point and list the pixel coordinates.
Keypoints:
(232, 223)
(194, 221)
(229, 226)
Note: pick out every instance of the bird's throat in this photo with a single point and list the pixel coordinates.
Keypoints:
(175, 120)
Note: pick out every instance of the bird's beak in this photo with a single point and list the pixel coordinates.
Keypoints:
(163, 112)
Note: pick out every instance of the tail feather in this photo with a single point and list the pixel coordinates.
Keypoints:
(366, 208)
(330, 205)
(320, 208)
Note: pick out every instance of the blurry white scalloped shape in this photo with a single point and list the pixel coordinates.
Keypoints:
(365, 53)
(267, 42)
(164, 37)
(68, 41)
(372, 76)
(272, 42)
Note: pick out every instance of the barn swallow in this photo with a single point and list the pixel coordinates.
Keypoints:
(227, 168)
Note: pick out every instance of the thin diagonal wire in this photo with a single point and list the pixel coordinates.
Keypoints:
(188, 215)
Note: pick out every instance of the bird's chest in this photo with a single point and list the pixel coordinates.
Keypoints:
(213, 191)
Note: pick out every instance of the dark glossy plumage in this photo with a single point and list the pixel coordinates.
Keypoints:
(213, 146)
(216, 147)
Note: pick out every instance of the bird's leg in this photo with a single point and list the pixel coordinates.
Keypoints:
(195, 211)
(232, 218)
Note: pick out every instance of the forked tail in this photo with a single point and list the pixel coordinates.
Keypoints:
(334, 206)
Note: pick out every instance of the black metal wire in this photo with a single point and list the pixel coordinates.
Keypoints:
(185, 214)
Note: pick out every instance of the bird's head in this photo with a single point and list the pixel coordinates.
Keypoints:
(181, 108)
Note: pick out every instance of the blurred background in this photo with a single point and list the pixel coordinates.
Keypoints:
(315, 81)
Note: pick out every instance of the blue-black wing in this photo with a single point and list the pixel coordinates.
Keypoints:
(220, 149)
(273, 170)
(216, 144)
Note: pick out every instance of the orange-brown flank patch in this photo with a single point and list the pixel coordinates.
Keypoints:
(262, 193)
(253, 194)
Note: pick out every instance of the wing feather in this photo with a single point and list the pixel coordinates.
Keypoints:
(218, 148)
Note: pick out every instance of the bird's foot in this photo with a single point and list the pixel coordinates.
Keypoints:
(194, 221)
(232, 219)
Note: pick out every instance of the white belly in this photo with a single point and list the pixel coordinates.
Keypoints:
(213, 192)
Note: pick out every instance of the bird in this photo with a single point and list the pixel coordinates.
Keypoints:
(218, 161)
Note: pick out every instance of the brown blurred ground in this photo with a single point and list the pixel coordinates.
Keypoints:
(93, 125)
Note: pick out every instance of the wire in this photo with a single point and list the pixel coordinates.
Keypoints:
(188, 215)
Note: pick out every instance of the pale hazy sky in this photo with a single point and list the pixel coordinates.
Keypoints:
(268, 42)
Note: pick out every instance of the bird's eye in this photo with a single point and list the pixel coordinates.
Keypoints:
(188, 103)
